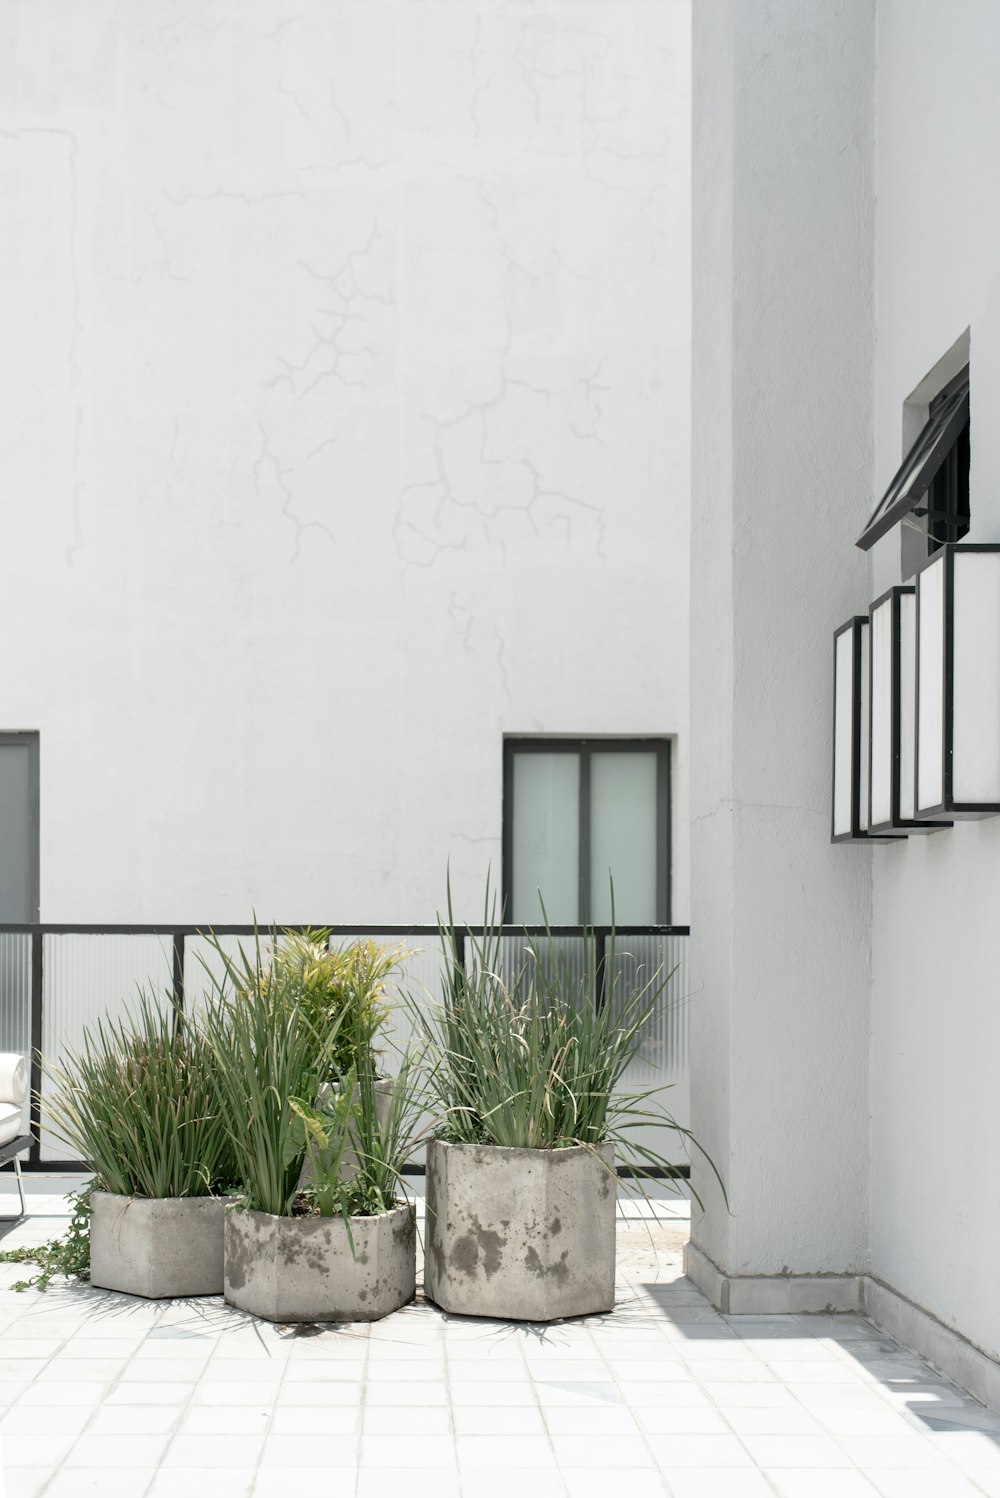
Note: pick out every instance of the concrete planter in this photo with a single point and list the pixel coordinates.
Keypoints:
(523, 1235)
(157, 1247)
(302, 1268)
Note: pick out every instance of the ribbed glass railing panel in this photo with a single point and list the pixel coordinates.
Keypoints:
(652, 962)
(87, 978)
(557, 958)
(658, 964)
(418, 971)
(205, 963)
(417, 977)
(15, 998)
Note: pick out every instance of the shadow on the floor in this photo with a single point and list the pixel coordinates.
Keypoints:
(912, 1385)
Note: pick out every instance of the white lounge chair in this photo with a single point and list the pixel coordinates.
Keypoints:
(13, 1140)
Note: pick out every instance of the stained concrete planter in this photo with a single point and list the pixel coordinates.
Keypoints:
(302, 1268)
(157, 1247)
(524, 1235)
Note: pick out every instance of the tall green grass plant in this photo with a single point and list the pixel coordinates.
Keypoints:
(341, 986)
(140, 1103)
(268, 1047)
(534, 1055)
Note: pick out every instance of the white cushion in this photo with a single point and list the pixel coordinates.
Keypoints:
(10, 1122)
(13, 1077)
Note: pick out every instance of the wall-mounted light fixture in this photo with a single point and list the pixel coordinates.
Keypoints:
(850, 731)
(892, 808)
(957, 749)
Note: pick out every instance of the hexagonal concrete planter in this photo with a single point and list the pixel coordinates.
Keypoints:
(523, 1235)
(302, 1268)
(157, 1247)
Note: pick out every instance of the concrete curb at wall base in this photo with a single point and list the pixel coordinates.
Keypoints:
(770, 1294)
(773, 1295)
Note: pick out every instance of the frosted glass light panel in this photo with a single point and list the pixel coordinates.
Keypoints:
(907, 703)
(850, 731)
(546, 838)
(957, 750)
(623, 837)
(577, 814)
(892, 656)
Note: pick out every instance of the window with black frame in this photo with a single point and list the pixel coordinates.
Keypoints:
(579, 813)
(947, 506)
(930, 491)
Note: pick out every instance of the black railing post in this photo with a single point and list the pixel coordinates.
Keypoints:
(35, 1104)
(179, 971)
(600, 967)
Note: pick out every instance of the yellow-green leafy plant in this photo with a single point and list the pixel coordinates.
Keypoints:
(339, 987)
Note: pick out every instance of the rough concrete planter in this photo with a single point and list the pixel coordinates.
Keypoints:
(525, 1235)
(302, 1268)
(157, 1247)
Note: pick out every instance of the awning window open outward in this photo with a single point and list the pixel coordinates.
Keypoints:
(949, 417)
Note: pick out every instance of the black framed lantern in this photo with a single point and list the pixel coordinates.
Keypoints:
(892, 802)
(850, 732)
(957, 742)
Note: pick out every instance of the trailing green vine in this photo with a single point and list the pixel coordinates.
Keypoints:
(68, 1255)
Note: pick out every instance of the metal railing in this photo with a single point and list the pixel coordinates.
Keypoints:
(57, 979)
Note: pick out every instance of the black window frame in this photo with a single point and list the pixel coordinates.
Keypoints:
(947, 510)
(937, 464)
(585, 748)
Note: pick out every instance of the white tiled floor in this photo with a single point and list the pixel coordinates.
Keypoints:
(105, 1394)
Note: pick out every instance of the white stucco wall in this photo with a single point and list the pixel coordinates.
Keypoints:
(346, 399)
(783, 332)
(936, 939)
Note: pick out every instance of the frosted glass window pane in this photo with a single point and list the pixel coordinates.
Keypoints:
(546, 838)
(623, 837)
(907, 704)
(843, 733)
(865, 727)
(930, 702)
(976, 705)
(881, 690)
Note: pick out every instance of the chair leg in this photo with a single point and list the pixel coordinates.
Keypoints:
(16, 1216)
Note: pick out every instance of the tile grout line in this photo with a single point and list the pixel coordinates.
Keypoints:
(644, 1436)
(516, 1329)
(99, 1406)
(362, 1408)
(447, 1387)
(874, 1382)
(269, 1423)
(835, 1436)
(35, 1378)
(713, 1402)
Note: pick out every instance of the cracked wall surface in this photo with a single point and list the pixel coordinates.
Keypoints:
(347, 398)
